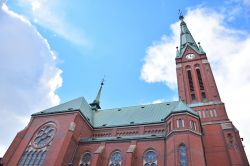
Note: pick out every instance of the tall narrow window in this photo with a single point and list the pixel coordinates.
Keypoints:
(180, 123)
(199, 79)
(190, 80)
(201, 85)
(169, 127)
(150, 158)
(183, 155)
(115, 159)
(207, 113)
(191, 85)
(193, 125)
(85, 161)
(215, 113)
(37, 149)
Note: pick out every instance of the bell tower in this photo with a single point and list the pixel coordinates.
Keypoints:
(195, 78)
(197, 88)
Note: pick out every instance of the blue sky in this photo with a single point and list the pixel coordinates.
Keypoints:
(117, 34)
(132, 43)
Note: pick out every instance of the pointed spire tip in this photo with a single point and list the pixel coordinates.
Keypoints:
(181, 17)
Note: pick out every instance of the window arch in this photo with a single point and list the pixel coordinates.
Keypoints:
(180, 123)
(200, 81)
(193, 125)
(183, 155)
(191, 84)
(37, 149)
(150, 158)
(116, 158)
(86, 159)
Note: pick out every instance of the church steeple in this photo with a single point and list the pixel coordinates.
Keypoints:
(96, 103)
(186, 39)
(194, 75)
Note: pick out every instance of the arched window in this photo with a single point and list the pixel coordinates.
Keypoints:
(193, 125)
(180, 123)
(191, 85)
(201, 85)
(86, 158)
(183, 155)
(115, 159)
(36, 151)
(150, 158)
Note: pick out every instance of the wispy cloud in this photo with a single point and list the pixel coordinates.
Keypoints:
(228, 52)
(29, 75)
(50, 14)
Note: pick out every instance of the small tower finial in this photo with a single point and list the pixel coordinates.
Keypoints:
(181, 17)
(200, 48)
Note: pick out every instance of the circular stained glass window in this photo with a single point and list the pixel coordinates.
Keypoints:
(45, 135)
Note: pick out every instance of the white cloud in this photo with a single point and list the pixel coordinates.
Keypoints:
(29, 76)
(228, 52)
(51, 15)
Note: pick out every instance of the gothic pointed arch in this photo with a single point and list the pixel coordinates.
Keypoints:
(150, 157)
(38, 147)
(86, 159)
(182, 149)
(115, 158)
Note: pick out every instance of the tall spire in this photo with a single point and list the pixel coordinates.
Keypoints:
(96, 103)
(186, 38)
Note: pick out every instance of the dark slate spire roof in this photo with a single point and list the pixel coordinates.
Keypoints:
(186, 39)
(96, 103)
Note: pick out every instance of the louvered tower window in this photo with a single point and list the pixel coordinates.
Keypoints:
(191, 85)
(37, 149)
(201, 85)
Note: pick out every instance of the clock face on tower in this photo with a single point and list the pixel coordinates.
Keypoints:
(190, 56)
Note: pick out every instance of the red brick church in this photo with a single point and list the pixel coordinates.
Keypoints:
(194, 131)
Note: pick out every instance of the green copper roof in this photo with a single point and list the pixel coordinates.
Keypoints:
(76, 104)
(186, 39)
(150, 113)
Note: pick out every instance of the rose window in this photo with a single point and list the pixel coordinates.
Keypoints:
(44, 136)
